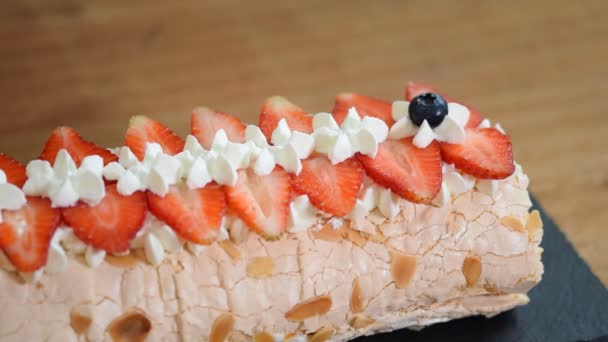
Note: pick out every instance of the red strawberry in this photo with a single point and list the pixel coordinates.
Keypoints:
(262, 202)
(366, 106)
(414, 89)
(331, 188)
(67, 138)
(111, 224)
(276, 108)
(28, 251)
(206, 122)
(486, 153)
(13, 169)
(143, 129)
(411, 172)
(195, 215)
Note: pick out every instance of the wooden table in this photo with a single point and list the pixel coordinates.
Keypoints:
(538, 68)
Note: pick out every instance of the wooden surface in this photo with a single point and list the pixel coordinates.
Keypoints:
(538, 68)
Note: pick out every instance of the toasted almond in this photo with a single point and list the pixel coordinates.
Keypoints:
(260, 267)
(290, 336)
(327, 233)
(534, 223)
(490, 288)
(130, 327)
(126, 261)
(355, 237)
(357, 302)
(79, 322)
(322, 335)
(263, 337)
(309, 308)
(403, 268)
(231, 249)
(471, 268)
(222, 326)
(514, 223)
(360, 321)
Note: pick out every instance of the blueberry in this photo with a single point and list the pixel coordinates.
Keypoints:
(430, 107)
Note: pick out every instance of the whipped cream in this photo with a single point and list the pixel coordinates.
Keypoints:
(451, 129)
(453, 184)
(302, 215)
(486, 123)
(155, 237)
(11, 196)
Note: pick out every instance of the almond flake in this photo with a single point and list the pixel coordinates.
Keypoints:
(471, 268)
(534, 223)
(133, 326)
(222, 326)
(327, 233)
(361, 321)
(125, 261)
(355, 237)
(231, 249)
(357, 302)
(79, 322)
(322, 335)
(513, 223)
(263, 337)
(309, 308)
(403, 268)
(260, 267)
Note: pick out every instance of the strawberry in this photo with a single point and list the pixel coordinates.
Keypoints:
(206, 122)
(414, 89)
(276, 108)
(111, 224)
(486, 153)
(331, 188)
(67, 138)
(411, 172)
(195, 215)
(262, 202)
(13, 169)
(365, 105)
(143, 130)
(29, 249)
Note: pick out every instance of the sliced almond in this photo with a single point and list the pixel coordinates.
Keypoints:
(260, 267)
(222, 326)
(327, 233)
(290, 336)
(403, 268)
(130, 327)
(361, 321)
(514, 223)
(126, 261)
(79, 322)
(231, 249)
(471, 268)
(263, 337)
(357, 301)
(355, 237)
(309, 308)
(322, 335)
(534, 223)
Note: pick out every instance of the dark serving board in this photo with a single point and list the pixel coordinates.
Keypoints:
(570, 304)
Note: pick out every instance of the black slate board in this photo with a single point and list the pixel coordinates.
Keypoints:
(570, 304)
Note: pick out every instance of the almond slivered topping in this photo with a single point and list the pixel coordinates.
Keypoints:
(260, 267)
(360, 321)
(79, 322)
(355, 237)
(222, 326)
(471, 268)
(126, 261)
(130, 327)
(534, 223)
(327, 233)
(513, 223)
(263, 337)
(357, 302)
(322, 335)
(403, 268)
(231, 249)
(309, 308)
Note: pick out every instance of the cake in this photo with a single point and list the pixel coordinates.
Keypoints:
(374, 217)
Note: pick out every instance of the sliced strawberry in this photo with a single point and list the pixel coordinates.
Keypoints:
(331, 188)
(28, 250)
(276, 108)
(365, 105)
(67, 138)
(195, 215)
(411, 172)
(111, 224)
(414, 89)
(486, 153)
(143, 130)
(206, 122)
(13, 169)
(262, 202)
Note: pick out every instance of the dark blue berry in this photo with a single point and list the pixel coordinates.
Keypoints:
(430, 107)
